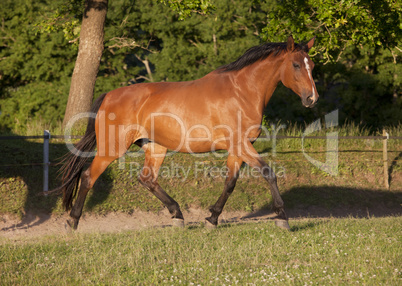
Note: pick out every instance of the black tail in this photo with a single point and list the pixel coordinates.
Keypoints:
(73, 163)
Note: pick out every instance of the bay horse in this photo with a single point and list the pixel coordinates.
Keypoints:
(220, 111)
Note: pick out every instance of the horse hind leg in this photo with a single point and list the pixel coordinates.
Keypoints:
(114, 144)
(154, 156)
(88, 179)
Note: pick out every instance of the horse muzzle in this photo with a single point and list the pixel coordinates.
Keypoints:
(309, 101)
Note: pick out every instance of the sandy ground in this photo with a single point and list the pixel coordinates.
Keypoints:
(37, 225)
(34, 225)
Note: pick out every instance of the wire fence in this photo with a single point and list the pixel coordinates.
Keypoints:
(46, 137)
(376, 137)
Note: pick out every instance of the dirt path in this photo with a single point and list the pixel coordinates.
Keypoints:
(39, 225)
(34, 225)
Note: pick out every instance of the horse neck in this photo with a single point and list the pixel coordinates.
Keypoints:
(259, 80)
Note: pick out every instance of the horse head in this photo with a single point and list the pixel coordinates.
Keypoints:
(296, 72)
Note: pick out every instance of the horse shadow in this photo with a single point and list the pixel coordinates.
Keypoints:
(333, 202)
(21, 182)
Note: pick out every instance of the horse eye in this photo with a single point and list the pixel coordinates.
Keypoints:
(296, 65)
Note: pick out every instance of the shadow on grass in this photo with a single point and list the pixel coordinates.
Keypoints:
(306, 225)
(21, 181)
(101, 191)
(338, 202)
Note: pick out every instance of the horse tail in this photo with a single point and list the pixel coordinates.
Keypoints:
(73, 162)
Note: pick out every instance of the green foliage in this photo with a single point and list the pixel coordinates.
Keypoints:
(149, 42)
(26, 55)
(42, 101)
(337, 25)
(66, 18)
(34, 67)
(186, 7)
(189, 49)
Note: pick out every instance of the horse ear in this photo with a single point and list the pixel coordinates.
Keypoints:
(290, 44)
(310, 43)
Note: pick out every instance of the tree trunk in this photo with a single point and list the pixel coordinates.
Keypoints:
(88, 59)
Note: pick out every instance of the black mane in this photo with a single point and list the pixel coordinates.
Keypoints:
(257, 53)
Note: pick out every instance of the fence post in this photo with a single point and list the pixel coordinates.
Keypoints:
(385, 157)
(46, 138)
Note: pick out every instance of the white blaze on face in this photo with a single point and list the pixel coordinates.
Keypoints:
(310, 77)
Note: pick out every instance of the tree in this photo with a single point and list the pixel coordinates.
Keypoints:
(88, 59)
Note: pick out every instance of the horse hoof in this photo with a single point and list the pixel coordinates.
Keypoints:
(67, 227)
(209, 225)
(282, 223)
(70, 225)
(178, 222)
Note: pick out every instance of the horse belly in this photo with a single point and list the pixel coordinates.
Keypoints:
(186, 142)
(179, 137)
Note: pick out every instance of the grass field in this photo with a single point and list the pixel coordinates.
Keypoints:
(316, 252)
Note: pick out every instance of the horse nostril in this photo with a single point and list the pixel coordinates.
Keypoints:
(308, 101)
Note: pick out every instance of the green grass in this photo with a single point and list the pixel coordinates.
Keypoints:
(316, 251)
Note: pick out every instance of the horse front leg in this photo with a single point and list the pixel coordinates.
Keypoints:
(233, 165)
(253, 159)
